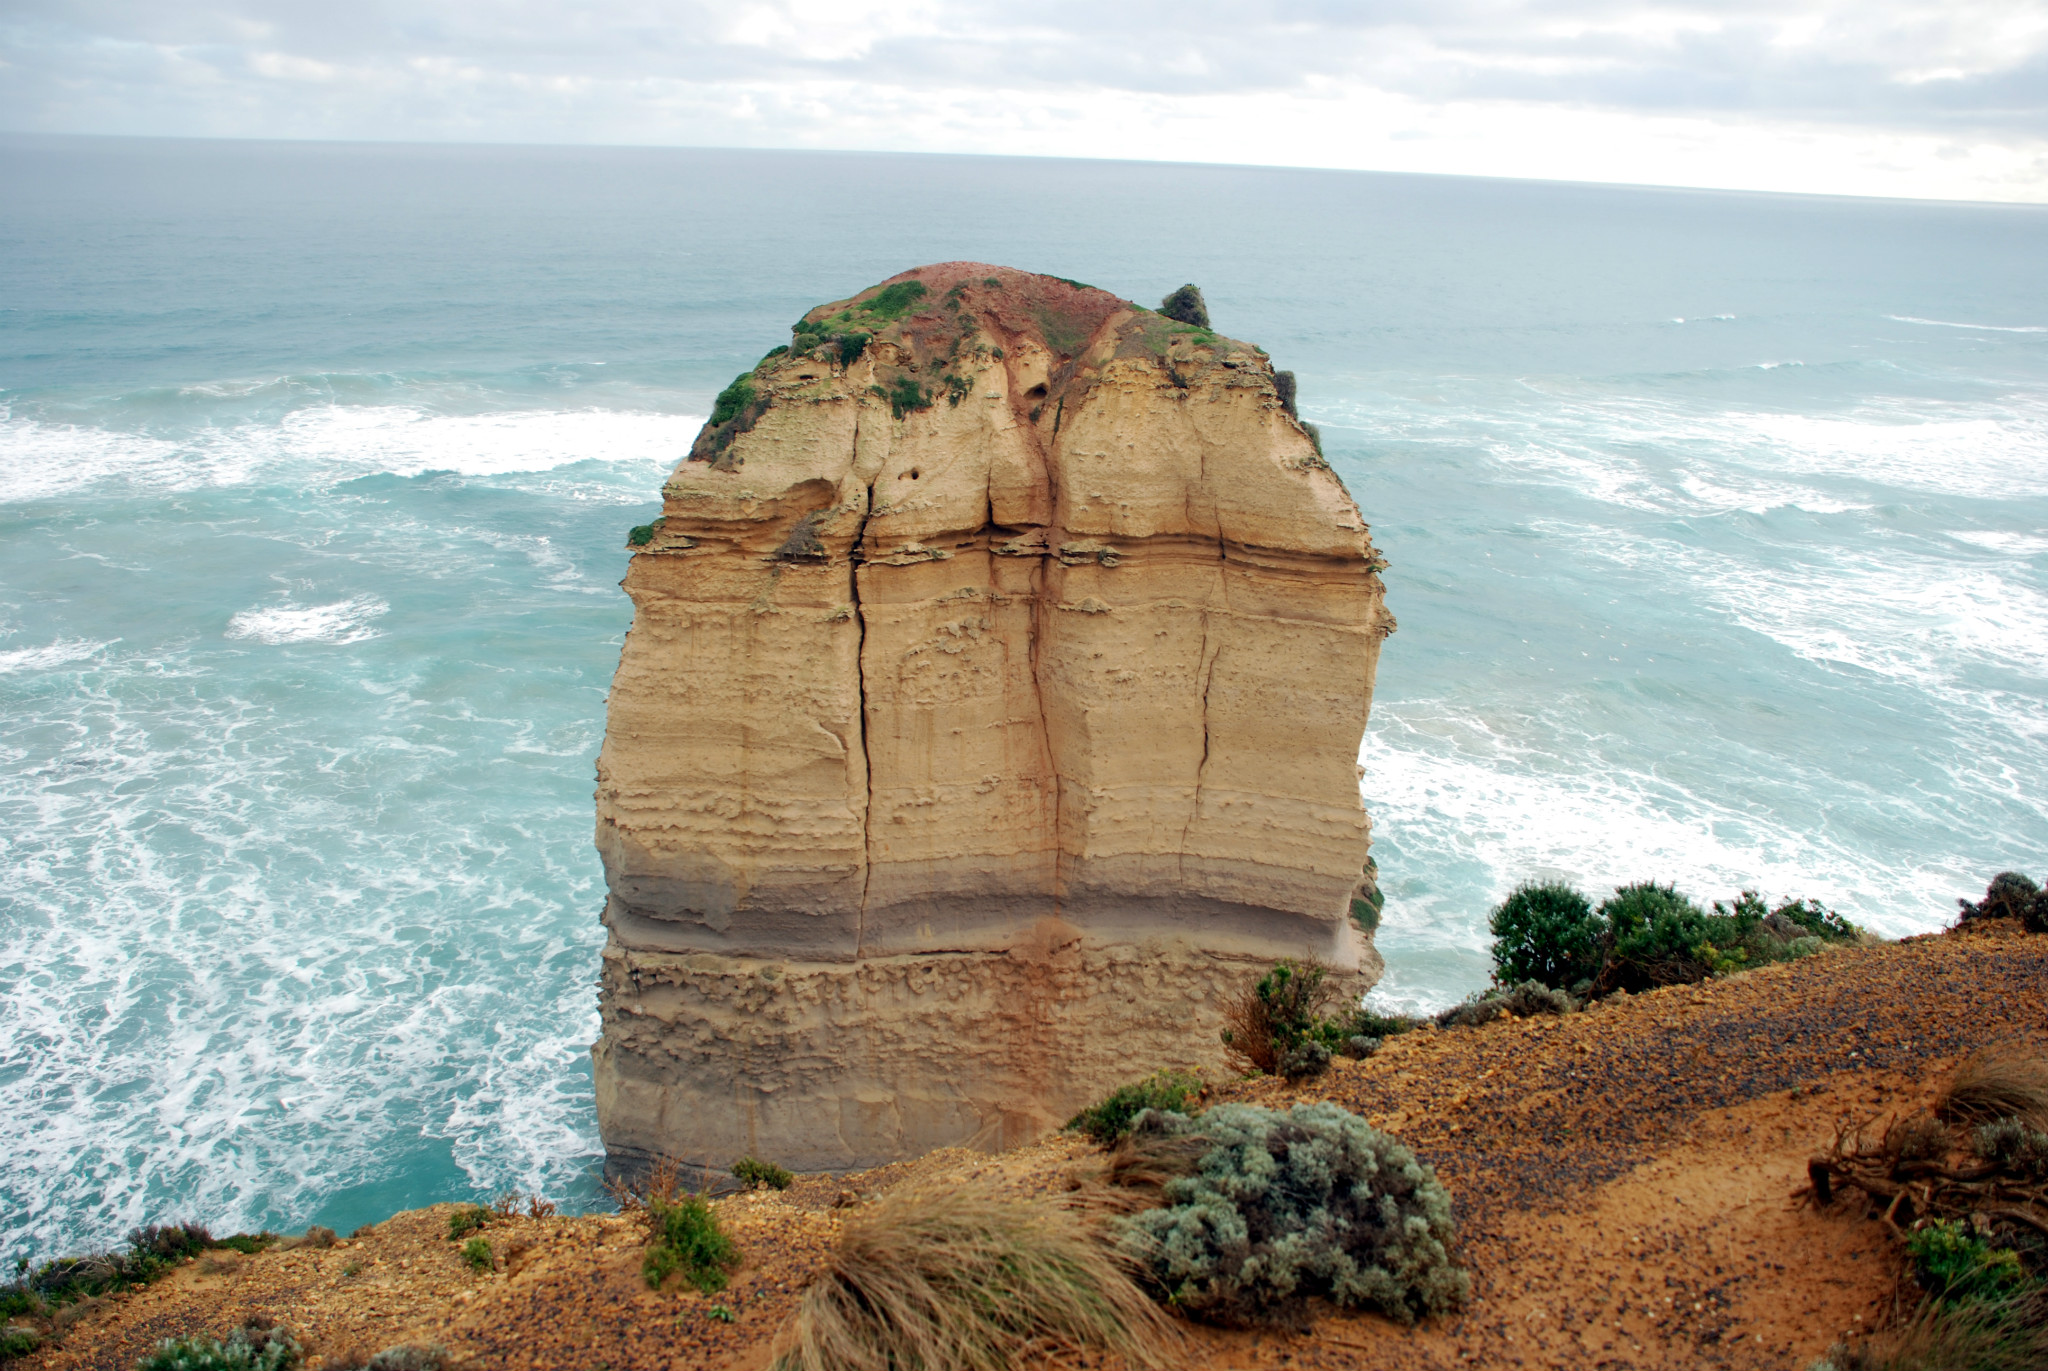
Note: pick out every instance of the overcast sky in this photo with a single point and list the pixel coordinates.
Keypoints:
(1938, 98)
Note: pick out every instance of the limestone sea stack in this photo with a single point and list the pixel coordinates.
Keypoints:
(990, 713)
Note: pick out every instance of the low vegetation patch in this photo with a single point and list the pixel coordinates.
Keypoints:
(1272, 1207)
(257, 1347)
(1186, 306)
(2011, 895)
(468, 1220)
(38, 1291)
(1279, 1025)
(477, 1253)
(1522, 1001)
(1647, 935)
(684, 1238)
(1110, 1121)
(903, 396)
(1961, 1185)
(643, 534)
(966, 1278)
(755, 1174)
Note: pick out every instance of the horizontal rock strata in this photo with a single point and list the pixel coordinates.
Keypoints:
(997, 672)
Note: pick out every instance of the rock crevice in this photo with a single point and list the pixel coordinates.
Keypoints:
(990, 708)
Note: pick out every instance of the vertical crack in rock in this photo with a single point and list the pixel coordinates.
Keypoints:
(1030, 909)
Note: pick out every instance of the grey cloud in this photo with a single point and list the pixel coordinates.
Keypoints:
(1667, 58)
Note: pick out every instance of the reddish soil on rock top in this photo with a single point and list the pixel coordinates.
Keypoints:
(1624, 1180)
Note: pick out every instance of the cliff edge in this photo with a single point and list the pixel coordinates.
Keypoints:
(990, 708)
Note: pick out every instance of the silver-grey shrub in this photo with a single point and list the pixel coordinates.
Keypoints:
(1285, 1205)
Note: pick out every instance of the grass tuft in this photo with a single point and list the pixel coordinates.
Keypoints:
(963, 1278)
(2006, 1081)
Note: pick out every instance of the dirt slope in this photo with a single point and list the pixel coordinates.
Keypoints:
(1623, 1179)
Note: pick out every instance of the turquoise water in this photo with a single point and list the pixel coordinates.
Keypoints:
(1717, 524)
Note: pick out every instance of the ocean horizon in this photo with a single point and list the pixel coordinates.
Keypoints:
(1717, 526)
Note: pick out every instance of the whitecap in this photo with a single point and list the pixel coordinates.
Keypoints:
(1989, 328)
(329, 443)
(50, 656)
(345, 621)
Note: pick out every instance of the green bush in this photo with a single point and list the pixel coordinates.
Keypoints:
(643, 534)
(1523, 1001)
(249, 1244)
(245, 1349)
(687, 1239)
(1283, 386)
(1546, 931)
(904, 395)
(756, 1175)
(1283, 1206)
(467, 1220)
(734, 398)
(1277, 1025)
(1953, 1264)
(2011, 895)
(18, 1342)
(1110, 1120)
(893, 302)
(851, 346)
(477, 1253)
(1186, 306)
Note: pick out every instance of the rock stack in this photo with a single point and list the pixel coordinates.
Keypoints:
(989, 714)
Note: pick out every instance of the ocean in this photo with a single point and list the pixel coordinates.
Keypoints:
(1718, 527)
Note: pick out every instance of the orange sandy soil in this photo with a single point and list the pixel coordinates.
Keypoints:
(1624, 1181)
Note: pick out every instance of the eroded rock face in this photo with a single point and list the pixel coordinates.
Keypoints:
(989, 712)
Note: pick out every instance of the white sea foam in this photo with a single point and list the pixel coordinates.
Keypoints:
(49, 656)
(1987, 328)
(345, 621)
(327, 443)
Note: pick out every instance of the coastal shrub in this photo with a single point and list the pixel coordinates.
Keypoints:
(1281, 1206)
(2011, 895)
(18, 1342)
(966, 1278)
(893, 302)
(1186, 306)
(245, 1349)
(467, 1220)
(249, 1244)
(1951, 1263)
(643, 534)
(477, 1253)
(2012, 1147)
(1277, 1026)
(685, 1237)
(851, 346)
(1110, 1120)
(1523, 1001)
(409, 1357)
(803, 543)
(1283, 386)
(904, 395)
(1546, 931)
(757, 1175)
(151, 1252)
(2004, 1081)
(958, 388)
(734, 398)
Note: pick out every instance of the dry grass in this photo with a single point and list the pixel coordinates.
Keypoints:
(1996, 1336)
(2008, 1081)
(964, 1278)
